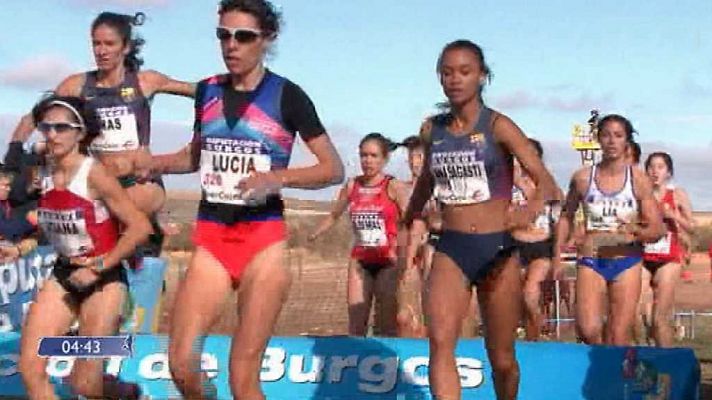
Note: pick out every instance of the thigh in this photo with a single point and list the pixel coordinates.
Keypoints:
(360, 284)
(664, 282)
(500, 298)
(590, 290)
(537, 271)
(263, 290)
(199, 300)
(624, 295)
(49, 315)
(447, 297)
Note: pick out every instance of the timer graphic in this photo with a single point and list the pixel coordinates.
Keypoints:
(86, 346)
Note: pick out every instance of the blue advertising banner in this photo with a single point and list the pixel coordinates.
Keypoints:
(357, 368)
(20, 281)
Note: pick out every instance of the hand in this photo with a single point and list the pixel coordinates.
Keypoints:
(518, 218)
(9, 254)
(256, 187)
(119, 167)
(669, 212)
(142, 163)
(24, 128)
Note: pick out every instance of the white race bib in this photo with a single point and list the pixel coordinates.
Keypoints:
(460, 178)
(119, 130)
(370, 229)
(662, 246)
(224, 163)
(66, 230)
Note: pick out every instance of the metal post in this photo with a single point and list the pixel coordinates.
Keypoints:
(692, 323)
(557, 308)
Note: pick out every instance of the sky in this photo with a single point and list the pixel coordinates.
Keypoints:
(370, 66)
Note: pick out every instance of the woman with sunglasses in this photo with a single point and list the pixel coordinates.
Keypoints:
(375, 202)
(620, 213)
(246, 123)
(79, 211)
(468, 168)
(663, 259)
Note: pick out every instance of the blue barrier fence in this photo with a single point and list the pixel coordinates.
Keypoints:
(355, 368)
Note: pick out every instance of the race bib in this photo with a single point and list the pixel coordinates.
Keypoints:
(460, 178)
(66, 230)
(119, 130)
(225, 162)
(370, 229)
(662, 246)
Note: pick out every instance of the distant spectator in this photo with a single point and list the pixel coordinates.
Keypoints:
(14, 224)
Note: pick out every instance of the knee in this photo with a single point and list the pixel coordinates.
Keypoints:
(442, 339)
(590, 331)
(503, 361)
(532, 292)
(179, 363)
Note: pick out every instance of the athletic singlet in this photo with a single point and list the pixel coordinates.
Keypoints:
(73, 223)
(608, 212)
(374, 218)
(469, 168)
(260, 141)
(548, 217)
(668, 247)
(124, 114)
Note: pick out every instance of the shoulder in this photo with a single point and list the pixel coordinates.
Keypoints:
(72, 85)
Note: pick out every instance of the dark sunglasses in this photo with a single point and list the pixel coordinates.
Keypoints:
(59, 127)
(241, 35)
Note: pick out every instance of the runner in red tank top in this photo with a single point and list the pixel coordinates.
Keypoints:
(78, 212)
(375, 202)
(663, 259)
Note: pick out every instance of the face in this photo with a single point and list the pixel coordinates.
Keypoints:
(658, 171)
(108, 47)
(416, 157)
(613, 140)
(244, 54)
(62, 139)
(372, 158)
(4, 187)
(460, 76)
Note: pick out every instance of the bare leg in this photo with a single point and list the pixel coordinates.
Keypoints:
(590, 287)
(386, 286)
(624, 295)
(664, 283)
(359, 298)
(537, 270)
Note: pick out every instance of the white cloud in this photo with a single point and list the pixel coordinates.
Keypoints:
(42, 72)
(123, 3)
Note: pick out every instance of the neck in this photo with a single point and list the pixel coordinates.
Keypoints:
(112, 77)
(68, 162)
(370, 180)
(249, 80)
(613, 164)
(464, 115)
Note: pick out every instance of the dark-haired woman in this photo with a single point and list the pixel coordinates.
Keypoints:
(246, 122)
(79, 211)
(468, 167)
(535, 243)
(375, 202)
(620, 213)
(120, 95)
(663, 259)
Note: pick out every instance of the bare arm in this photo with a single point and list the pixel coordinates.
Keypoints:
(136, 225)
(509, 135)
(683, 214)
(651, 228)
(398, 191)
(423, 189)
(568, 214)
(329, 170)
(342, 202)
(71, 86)
(153, 82)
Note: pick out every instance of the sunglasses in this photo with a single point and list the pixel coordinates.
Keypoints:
(241, 35)
(59, 127)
